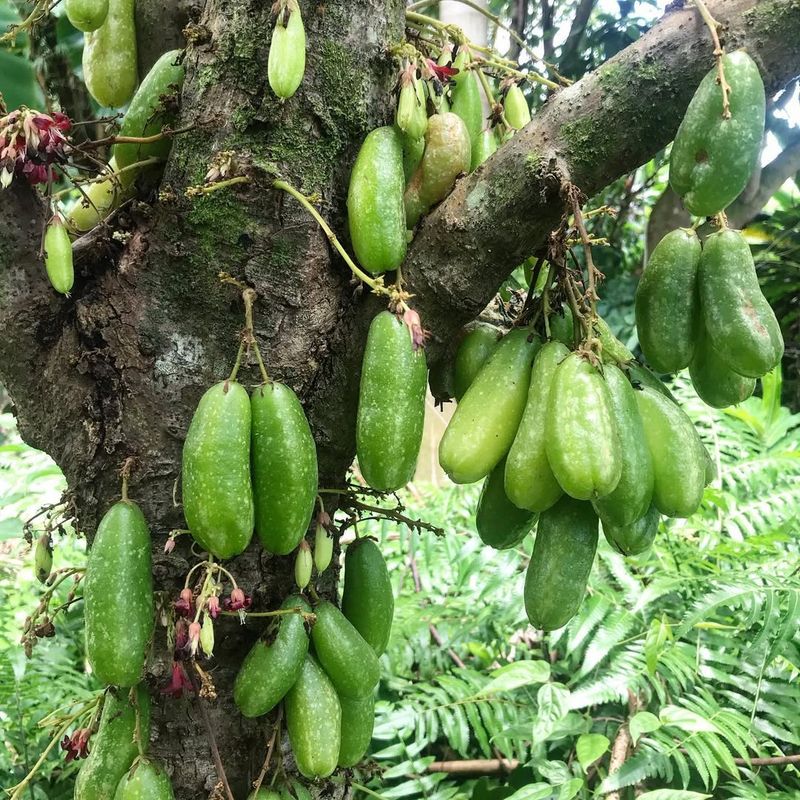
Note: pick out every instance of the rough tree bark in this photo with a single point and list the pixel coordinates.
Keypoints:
(116, 370)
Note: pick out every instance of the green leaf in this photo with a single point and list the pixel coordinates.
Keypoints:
(569, 789)
(553, 705)
(590, 747)
(533, 791)
(641, 723)
(513, 676)
(672, 794)
(686, 720)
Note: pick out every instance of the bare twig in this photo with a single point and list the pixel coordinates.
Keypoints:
(270, 747)
(719, 52)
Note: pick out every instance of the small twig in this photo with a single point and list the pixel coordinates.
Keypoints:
(719, 52)
(211, 738)
(480, 766)
(195, 191)
(573, 194)
(621, 747)
(165, 133)
(771, 761)
(270, 748)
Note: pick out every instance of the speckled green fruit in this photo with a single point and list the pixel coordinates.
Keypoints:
(679, 461)
(515, 107)
(484, 147)
(447, 155)
(118, 596)
(145, 781)
(713, 157)
(153, 107)
(358, 721)
(582, 440)
(58, 256)
(86, 15)
(286, 63)
(562, 326)
(348, 660)
(283, 460)
(217, 494)
(98, 201)
(466, 101)
(562, 558)
(635, 537)
(642, 376)
(486, 419)
(270, 668)
(113, 748)
(739, 321)
(314, 721)
(110, 69)
(716, 383)
(529, 479)
(412, 155)
(375, 210)
(668, 315)
(613, 350)
(631, 497)
(478, 344)
(367, 599)
(500, 523)
(391, 404)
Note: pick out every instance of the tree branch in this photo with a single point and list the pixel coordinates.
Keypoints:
(503, 212)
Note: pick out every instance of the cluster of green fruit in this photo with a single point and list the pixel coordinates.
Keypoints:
(403, 170)
(328, 696)
(702, 307)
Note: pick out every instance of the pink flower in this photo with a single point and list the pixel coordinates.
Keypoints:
(440, 72)
(184, 607)
(30, 142)
(169, 545)
(237, 601)
(77, 745)
(179, 683)
(194, 637)
(213, 606)
(414, 324)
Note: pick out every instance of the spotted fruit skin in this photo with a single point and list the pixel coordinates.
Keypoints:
(118, 596)
(314, 721)
(286, 63)
(712, 157)
(110, 69)
(217, 492)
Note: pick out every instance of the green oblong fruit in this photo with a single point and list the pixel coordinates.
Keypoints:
(515, 108)
(562, 326)
(110, 70)
(441, 379)
(303, 565)
(375, 210)
(86, 15)
(58, 256)
(367, 599)
(740, 323)
(474, 351)
(153, 107)
(716, 383)
(500, 523)
(346, 657)
(582, 440)
(118, 596)
(484, 147)
(668, 315)
(323, 549)
(529, 479)
(446, 156)
(613, 351)
(411, 116)
(145, 781)
(679, 461)
(358, 721)
(391, 404)
(466, 101)
(485, 422)
(712, 157)
(217, 494)
(269, 670)
(631, 497)
(286, 64)
(413, 150)
(314, 721)
(635, 537)
(98, 200)
(283, 460)
(562, 558)
(113, 748)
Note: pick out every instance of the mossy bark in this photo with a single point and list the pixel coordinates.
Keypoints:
(116, 370)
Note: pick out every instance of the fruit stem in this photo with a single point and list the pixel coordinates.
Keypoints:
(375, 284)
(487, 90)
(237, 363)
(546, 308)
(249, 296)
(364, 789)
(591, 292)
(719, 52)
(194, 191)
(165, 133)
(125, 472)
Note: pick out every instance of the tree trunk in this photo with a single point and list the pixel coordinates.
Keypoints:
(115, 371)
